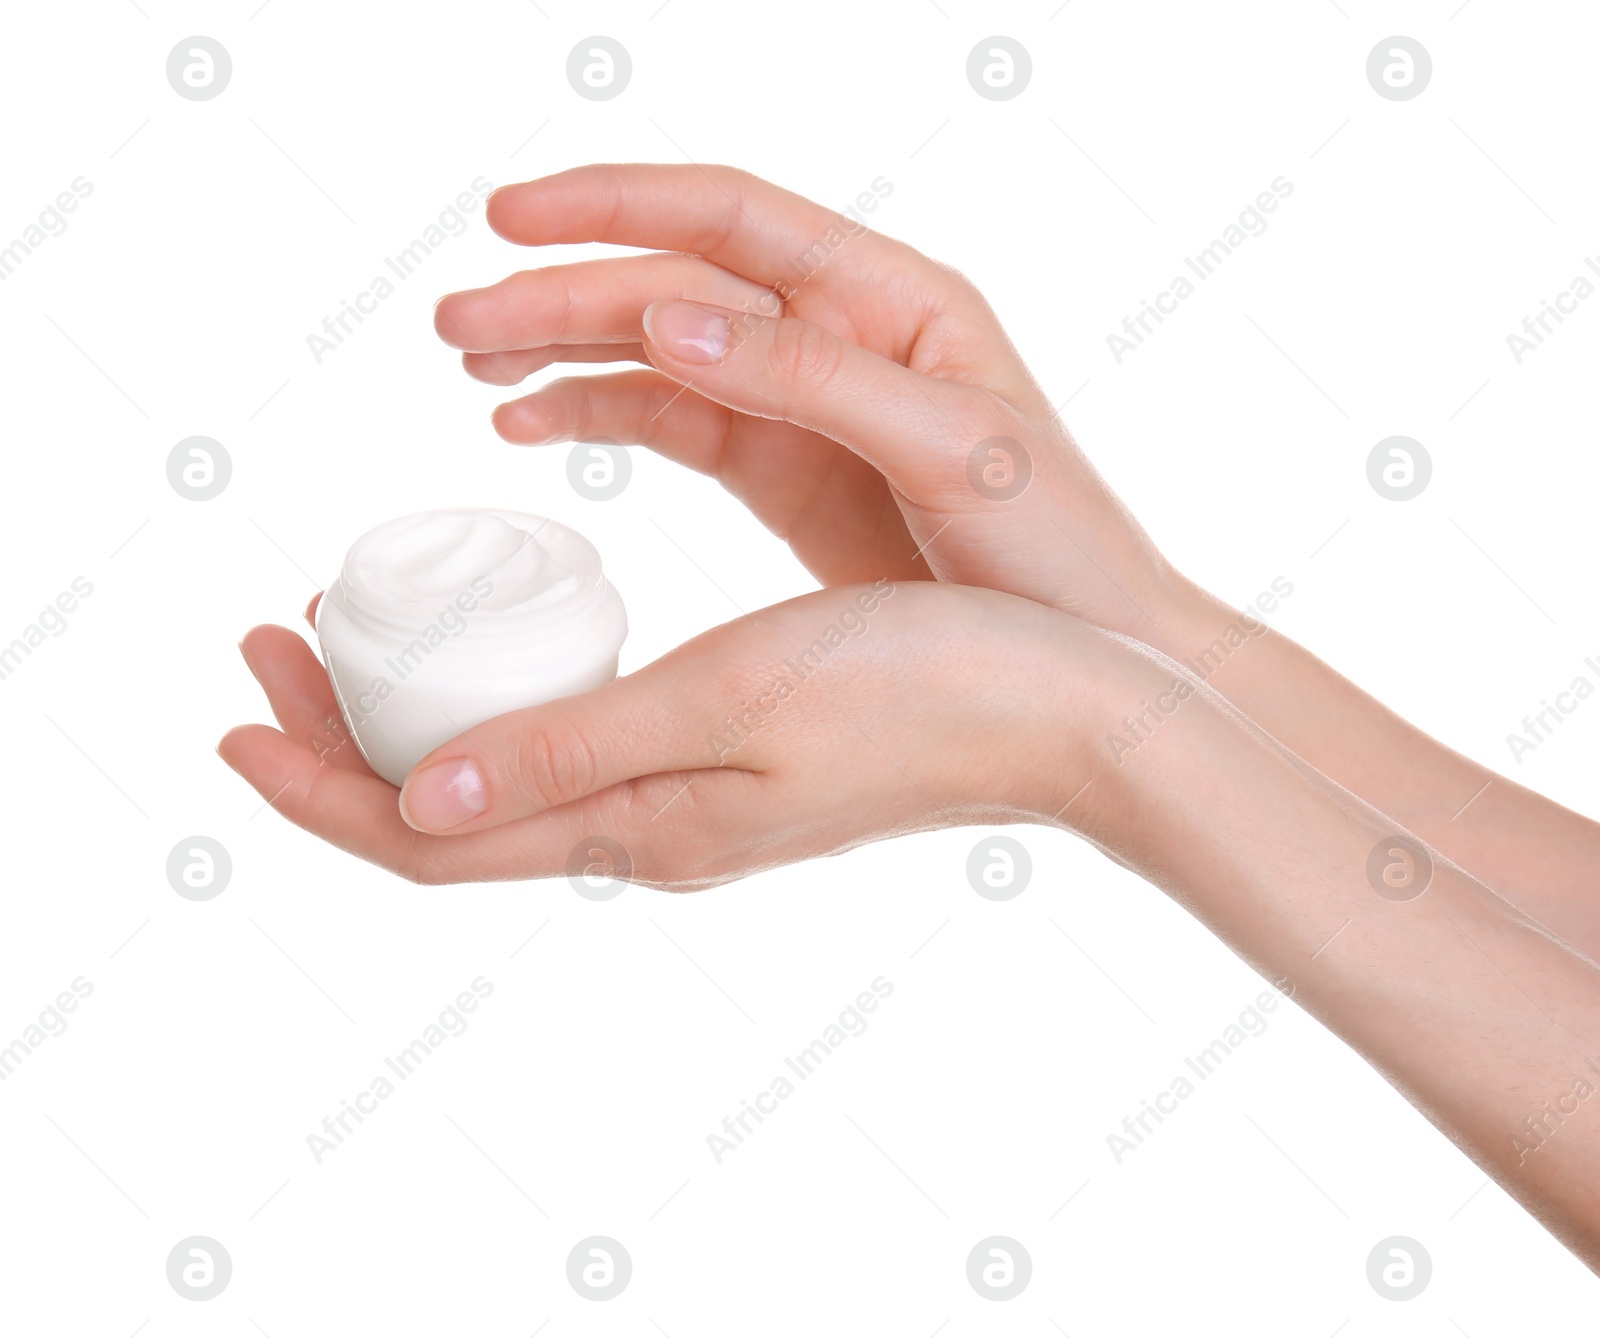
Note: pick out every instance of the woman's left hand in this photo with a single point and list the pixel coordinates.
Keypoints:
(837, 718)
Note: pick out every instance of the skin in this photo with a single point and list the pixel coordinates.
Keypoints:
(845, 425)
(895, 732)
(845, 412)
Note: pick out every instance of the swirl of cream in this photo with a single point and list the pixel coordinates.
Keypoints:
(443, 619)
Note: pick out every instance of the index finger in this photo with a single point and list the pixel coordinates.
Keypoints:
(728, 216)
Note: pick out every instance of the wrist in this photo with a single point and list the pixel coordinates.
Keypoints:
(1185, 617)
(1202, 632)
(1103, 683)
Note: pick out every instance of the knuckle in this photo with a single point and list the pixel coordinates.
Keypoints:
(414, 865)
(568, 405)
(990, 420)
(961, 288)
(968, 438)
(727, 174)
(955, 277)
(421, 874)
(675, 845)
(561, 309)
(553, 766)
(702, 864)
(803, 354)
(954, 296)
(720, 225)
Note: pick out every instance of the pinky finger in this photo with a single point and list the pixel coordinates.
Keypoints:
(645, 830)
(361, 816)
(358, 813)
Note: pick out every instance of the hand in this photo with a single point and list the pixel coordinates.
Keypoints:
(822, 723)
(844, 412)
(839, 383)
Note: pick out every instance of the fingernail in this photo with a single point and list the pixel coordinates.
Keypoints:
(443, 796)
(688, 331)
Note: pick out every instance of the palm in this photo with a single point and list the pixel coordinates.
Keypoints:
(834, 510)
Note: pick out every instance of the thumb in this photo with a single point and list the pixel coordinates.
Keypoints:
(527, 762)
(791, 369)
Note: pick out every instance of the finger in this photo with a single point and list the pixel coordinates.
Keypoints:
(642, 407)
(516, 365)
(666, 841)
(358, 814)
(661, 719)
(737, 220)
(355, 812)
(301, 697)
(591, 302)
(827, 503)
(311, 608)
(917, 430)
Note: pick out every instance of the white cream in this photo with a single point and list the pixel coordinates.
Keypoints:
(442, 620)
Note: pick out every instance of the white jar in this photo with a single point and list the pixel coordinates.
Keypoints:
(442, 620)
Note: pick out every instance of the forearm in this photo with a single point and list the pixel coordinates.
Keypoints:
(1538, 855)
(1487, 1024)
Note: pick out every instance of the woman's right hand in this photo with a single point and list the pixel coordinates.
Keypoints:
(861, 399)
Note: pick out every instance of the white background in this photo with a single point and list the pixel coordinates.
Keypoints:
(178, 302)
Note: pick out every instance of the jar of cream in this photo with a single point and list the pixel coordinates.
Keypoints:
(442, 620)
